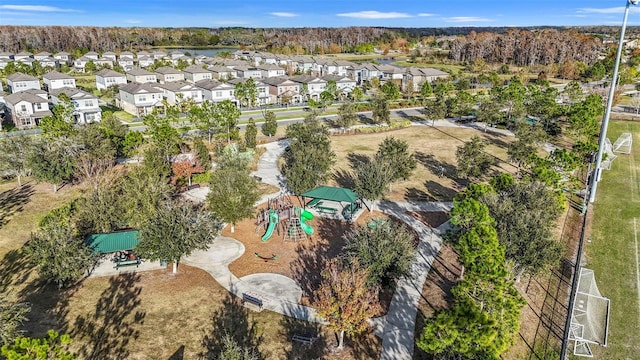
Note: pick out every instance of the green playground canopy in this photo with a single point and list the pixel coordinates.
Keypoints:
(332, 193)
(113, 242)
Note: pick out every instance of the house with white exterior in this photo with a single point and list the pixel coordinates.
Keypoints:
(107, 77)
(17, 82)
(27, 61)
(92, 55)
(264, 97)
(103, 62)
(49, 62)
(176, 55)
(139, 99)
(176, 92)
(4, 62)
(23, 55)
(109, 55)
(418, 76)
(217, 91)
(270, 70)
(85, 105)
(126, 60)
(55, 80)
(26, 108)
(141, 76)
(63, 57)
(167, 74)
(41, 55)
(283, 90)
(145, 61)
(80, 63)
(221, 72)
(344, 84)
(195, 73)
(6, 55)
(314, 86)
(303, 64)
(248, 72)
(390, 72)
(143, 53)
(159, 54)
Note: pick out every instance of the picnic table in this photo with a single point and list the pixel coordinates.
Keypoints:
(327, 210)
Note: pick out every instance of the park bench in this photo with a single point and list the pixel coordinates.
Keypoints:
(307, 340)
(327, 210)
(128, 262)
(252, 301)
(314, 203)
(194, 186)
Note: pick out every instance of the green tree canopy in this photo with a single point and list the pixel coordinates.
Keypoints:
(395, 154)
(14, 155)
(250, 134)
(52, 347)
(473, 161)
(270, 125)
(380, 110)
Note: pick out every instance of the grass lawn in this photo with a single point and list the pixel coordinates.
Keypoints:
(434, 147)
(124, 116)
(443, 67)
(613, 251)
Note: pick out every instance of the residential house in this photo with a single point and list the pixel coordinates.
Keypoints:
(126, 61)
(342, 67)
(85, 105)
(6, 55)
(418, 76)
(159, 55)
(141, 76)
(27, 61)
(264, 97)
(217, 91)
(176, 92)
(63, 57)
(283, 90)
(248, 72)
(221, 72)
(302, 64)
(195, 73)
(143, 54)
(26, 108)
(167, 74)
(49, 62)
(106, 78)
(104, 62)
(80, 63)
(314, 86)
(344, 84)
(109, 55)
(55, 80)
(139, 99)
(390, 72)
(17, 82)
(270, 70)
(4, 62)
(145, 61)
(41, 55)
(175, 55)
(92, 55)
(22, 55)
(2, 95)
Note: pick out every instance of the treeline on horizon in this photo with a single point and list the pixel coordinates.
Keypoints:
(518, 46)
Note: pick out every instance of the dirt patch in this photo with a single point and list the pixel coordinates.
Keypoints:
(431, 218)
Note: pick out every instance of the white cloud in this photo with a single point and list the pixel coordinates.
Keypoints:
(425, 14)
(611, 10)
(283, 14)
(374, 15)
(38, 8)
(460, 19)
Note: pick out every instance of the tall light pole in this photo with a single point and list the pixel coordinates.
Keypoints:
(595, 177)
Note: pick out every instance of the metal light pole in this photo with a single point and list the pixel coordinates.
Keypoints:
(595, 177)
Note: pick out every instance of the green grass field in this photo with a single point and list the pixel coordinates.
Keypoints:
(613, 251)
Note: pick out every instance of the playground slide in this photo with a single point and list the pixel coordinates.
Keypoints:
(304, 216)
(273, 222)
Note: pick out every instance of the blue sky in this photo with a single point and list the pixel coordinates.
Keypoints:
(306, 13)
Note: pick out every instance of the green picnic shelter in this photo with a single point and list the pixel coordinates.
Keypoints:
(331, 193)
(113, 242)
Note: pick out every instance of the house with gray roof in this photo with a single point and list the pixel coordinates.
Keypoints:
(418, 76)
(195, 73)
(141, 76)
(176, 92)
(167, 74)
(26, 108)
(56, 80)
(139, 99)
(85, 105)
(216, 91)
(107, 77)
(19, 82)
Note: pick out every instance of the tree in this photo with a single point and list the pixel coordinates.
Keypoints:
(347, 116)
(489, 112)
(371, 179)
(52, 347)
(344, 300)
(90, 66)
(176, 230)
(380, 110)
(12, 315)
(203, 118)
(527, 136)
(270, 125)
(60, 124)
(52, 161)
(395, 154)
(250, 134)
(356, 94)
(162, 134)
(131, 143)
(390, 90)
(58, 248)
(309, 159)
(115, 131)
(14, 155)
(95, 154)
(185, 168)
(202, 153)
(436, 109)
(232, 194)
(426, 90)
(574, 92)
(104, 208)
(473, 161)
(386, 252)
(584, 121)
